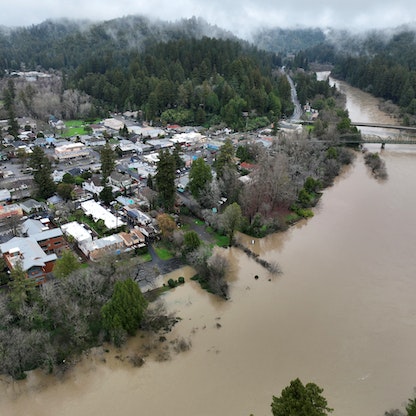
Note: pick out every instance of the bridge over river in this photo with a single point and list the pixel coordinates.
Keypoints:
(402, 139)
(372, 138)
(384, 126)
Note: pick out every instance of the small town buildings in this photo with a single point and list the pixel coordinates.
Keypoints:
(113, 244)
(50, 239)
(33, 260)
(12, 210)
(137, 217)
(143, 169)
(71, 151)
(152, 132)
(127, 146)
(113, 124)
(31, 205)
(93, 141)
(93, 185)
(98, 212)
(96, 249)
(78, 232)
(151, 158)
(5, 195)
(120, 180)
(134, 239)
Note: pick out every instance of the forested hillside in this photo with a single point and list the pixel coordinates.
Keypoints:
(188, 72)
(379, 63)
(288, 40)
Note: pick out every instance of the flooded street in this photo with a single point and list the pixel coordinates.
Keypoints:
(342, 314)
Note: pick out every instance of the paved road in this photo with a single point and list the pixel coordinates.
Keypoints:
(297, 113)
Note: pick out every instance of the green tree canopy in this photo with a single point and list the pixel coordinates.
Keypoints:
(106, 195)
(22, 288)
(165, 179)
(64, 190)
(65, 265)
(231, 219)
(42, 173)
(200, 176)
(300, 400)
(191, 241)
(225, 157)
(108, 158)
(126, 308)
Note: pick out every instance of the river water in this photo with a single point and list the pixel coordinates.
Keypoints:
(342, 314)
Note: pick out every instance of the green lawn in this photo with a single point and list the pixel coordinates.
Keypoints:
(73, 131)
(75, 128)
(163, 253)
(144, 258)
(220, 240)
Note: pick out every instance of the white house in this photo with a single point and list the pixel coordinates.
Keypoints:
(77, 231)
(98, 212)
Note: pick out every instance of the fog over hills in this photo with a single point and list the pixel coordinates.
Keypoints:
(241, 17)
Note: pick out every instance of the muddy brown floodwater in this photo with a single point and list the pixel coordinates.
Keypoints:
(342, 315)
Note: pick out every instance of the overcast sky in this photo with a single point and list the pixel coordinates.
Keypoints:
(237, 16)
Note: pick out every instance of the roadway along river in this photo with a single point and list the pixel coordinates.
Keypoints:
(342, 315)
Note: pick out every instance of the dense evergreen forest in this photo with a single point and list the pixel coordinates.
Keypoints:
(383, 64)
(171, 73)
(288, 40)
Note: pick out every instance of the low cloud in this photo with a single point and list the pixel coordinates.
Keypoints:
(240, 17)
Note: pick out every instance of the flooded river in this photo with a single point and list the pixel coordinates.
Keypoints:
(342, 314)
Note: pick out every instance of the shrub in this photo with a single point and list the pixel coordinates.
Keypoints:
(171, 283)
(181, 280)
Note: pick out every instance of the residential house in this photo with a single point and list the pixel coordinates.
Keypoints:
(96, 249)
(113, 244)
(26, 251)
(93, 185)
(5, 195)
(51, 240)
(137, 217)
(78, 232)
(12, 210)
(30, 206)
(120, 181)
(133, 239)
(98, 212)
(127, 146)
(58, 175)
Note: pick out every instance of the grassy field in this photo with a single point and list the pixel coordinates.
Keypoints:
(75, 128)
(163, 253)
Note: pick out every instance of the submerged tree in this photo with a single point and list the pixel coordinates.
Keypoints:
(300, 400)
(231, 220)
(125, 310)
